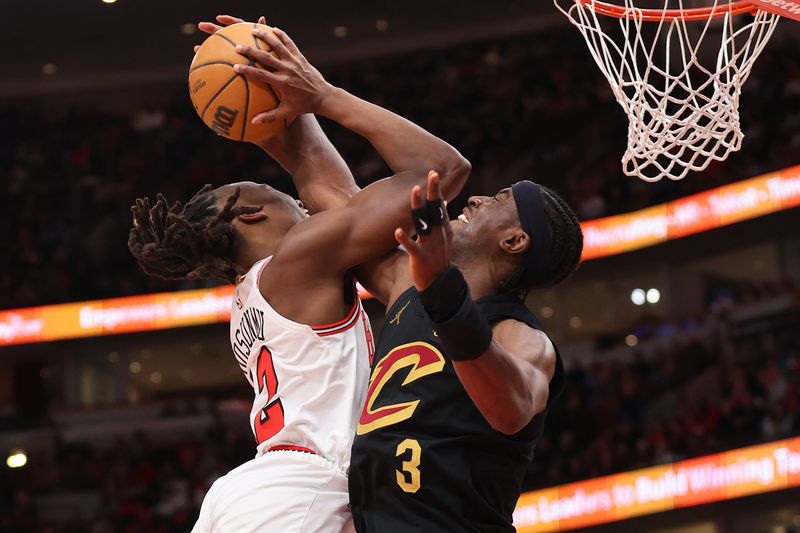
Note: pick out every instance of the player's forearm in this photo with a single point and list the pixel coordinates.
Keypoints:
(505, 392)
(322, 178)
(402, 144)
(505, 366)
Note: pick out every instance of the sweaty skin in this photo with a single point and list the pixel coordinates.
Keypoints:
(312, 257)
(509, 382)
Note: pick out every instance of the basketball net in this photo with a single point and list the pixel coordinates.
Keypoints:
(682, 102)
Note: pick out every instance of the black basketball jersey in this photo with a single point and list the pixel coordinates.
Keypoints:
(424, 458)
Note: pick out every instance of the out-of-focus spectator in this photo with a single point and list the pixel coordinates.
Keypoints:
(516, 108)
(603, 422)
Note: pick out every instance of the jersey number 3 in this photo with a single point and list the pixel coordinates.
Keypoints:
(269, 420)
(408, 478)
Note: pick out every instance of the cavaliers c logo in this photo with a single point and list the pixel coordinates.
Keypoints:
(423, 359)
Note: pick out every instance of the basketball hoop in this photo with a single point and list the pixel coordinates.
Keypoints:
(682, 113)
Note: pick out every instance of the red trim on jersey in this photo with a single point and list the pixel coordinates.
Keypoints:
(260, 270)
(338, 327)
(333, 328)
(240, 279)
(340, 322)
(287, 447)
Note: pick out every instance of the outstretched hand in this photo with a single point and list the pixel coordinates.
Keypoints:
(224, 20)
(299, 85)
(428, 256)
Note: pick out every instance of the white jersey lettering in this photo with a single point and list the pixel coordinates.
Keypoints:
(309, 381)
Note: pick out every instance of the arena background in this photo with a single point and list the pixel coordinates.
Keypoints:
(123, 410)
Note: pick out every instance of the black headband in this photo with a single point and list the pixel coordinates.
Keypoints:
(532, 217)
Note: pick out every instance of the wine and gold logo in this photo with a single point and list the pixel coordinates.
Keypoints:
(421, 359)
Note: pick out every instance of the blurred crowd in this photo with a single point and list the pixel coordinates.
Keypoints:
(137, 485)
(516, 108)
(708, 389)
(760, 401)
(687, 389)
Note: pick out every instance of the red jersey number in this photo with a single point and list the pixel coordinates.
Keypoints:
(269, 420)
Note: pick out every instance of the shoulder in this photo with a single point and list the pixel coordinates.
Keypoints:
(309, 255)
(527, 343)
(502, 306)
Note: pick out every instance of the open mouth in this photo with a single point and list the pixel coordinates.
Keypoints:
(464, 216)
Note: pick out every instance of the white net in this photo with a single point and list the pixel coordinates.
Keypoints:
(682, 102)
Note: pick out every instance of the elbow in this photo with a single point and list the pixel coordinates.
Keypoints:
(511, 421)
(512, 417)
(510, 424)
(455, 171)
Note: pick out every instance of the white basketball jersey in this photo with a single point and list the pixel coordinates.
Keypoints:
(309, 381)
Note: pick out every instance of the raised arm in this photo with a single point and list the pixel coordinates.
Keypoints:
(421, 151)
(506, 368)
(403, 145)
(336, 241)
(509, 382)
(322, 178)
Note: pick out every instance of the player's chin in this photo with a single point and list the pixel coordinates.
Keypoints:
(456, 224)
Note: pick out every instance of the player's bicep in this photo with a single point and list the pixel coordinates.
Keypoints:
(316, 245)
(533, 352)
(323, 196)
(338, 240)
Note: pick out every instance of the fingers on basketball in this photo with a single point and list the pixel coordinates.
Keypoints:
(208, 27)
(287, 41)
(225, 100)
(263, 57)
(227, 20)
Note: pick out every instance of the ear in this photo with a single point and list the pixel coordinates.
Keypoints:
(515, 242)
(252, 218)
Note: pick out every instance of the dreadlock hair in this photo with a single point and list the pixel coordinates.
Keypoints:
(194, 241)
(566, 245)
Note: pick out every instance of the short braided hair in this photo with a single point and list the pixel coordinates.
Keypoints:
(566, 246)
(194, 241)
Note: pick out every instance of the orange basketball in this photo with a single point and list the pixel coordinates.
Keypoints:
(224, 99)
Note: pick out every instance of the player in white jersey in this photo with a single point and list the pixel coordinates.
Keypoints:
(309, 382)
(321, 372)
(294, 271)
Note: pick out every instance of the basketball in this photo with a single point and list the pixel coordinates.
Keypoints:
(225, 100)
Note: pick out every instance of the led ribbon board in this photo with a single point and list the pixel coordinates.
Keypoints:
(602, 237)
(118, 315)
(712, 478)
(700, 212)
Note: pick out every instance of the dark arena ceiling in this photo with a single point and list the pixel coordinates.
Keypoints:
(85, 43)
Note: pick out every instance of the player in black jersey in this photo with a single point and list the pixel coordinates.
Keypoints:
(460, 388)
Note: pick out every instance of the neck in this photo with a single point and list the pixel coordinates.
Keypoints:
(483, 274)
(479, 276)
(249, 253)
(480, 283)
